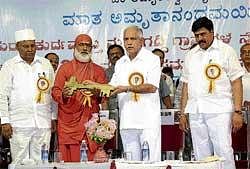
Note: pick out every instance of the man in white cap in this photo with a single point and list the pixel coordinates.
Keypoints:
(25, 101)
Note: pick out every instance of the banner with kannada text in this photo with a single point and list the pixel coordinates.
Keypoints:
(166, 24)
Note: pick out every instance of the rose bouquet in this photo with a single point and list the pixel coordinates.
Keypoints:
(100, 130)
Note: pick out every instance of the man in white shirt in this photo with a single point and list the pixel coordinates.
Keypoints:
(25, 100)
(137, 77)
(211, 94)
(164, 88)
(245, 57)
(54, 60)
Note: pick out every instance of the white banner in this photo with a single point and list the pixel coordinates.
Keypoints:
(166, 24)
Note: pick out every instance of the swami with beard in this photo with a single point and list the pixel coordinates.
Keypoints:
(75, 109)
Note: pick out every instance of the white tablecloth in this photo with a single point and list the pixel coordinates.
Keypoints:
(88, 165)
(123, 165)
(173, 164)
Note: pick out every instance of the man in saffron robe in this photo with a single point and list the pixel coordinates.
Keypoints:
(76, 108)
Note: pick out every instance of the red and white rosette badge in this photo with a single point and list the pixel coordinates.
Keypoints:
(212, 73)
(135, 79)
(43, 85)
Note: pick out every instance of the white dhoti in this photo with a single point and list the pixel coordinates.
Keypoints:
(132, 140)
(26, 143)
(211, 134)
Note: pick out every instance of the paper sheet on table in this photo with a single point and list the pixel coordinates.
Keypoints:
(206, 160)
(103, 114)
(168, 116)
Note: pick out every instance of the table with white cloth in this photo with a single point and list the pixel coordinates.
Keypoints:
(170, 164)
(87, 165)
(121, 164)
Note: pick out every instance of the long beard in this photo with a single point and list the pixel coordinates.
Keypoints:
(82, 57)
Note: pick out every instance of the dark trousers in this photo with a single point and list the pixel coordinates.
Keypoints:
(5, 155)
(117, 152)
(53, 146)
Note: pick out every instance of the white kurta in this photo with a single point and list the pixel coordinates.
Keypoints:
(18, 106)
(144, 113)
(199, 99)
(210, 113)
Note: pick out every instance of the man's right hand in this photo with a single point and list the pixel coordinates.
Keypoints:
(67, 92)
(183, 123)
(7, 130)
(120, 89)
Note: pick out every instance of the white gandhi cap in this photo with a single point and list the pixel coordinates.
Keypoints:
(25, 34)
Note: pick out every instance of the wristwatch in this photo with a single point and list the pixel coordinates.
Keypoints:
(238, 111)
(128, 89)
(183, 115)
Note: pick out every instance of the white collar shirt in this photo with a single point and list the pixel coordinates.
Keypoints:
(19, 92)
(196, 61)
(144, 113)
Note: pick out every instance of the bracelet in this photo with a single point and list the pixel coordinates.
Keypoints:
(238, 112)
(182, 115)
(127, 90)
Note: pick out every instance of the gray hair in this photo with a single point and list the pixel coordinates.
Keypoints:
(138, 29)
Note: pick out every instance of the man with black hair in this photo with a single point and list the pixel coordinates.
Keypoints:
(245, 57)
(164, 88)
(54, 60)
(168, 76)
(211, 94)
(114, 52)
